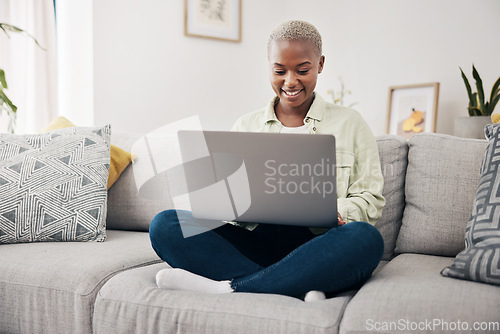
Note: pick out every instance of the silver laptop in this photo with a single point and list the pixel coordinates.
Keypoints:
(271, 178)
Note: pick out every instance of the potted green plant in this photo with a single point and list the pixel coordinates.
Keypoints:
(480, 109)
(5, 103)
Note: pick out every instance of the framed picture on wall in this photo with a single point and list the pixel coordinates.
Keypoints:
(217, 19)
(412, 109)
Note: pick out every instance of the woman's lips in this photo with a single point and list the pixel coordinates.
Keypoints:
(291, 93)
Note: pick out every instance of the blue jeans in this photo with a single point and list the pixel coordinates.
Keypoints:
(279, 259)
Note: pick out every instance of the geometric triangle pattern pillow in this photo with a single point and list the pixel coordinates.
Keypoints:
(480, 261)
(53, 185)
(119, 159)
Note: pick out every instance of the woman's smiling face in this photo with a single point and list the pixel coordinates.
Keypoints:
(294, 68)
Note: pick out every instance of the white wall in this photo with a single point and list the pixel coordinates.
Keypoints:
(75, 61)
(147, 73)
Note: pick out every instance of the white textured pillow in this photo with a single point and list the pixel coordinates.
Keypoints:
(53, 185)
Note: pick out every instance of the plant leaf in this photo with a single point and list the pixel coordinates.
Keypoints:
(467, 86)
(3, 82)
(480, 90)
(495, 91)
(8, 27)
(5, 99)
(487, 109)
(474, 111)
(473, 108)
(493, 103)
(474, 100)
(5, 31)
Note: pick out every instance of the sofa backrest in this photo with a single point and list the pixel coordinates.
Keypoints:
(430, 184)
(129, 211)
(126, 209)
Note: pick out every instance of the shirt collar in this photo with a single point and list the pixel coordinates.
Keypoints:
(315, 112)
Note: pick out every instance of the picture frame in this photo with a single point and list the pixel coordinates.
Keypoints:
(412, 109)
(215, 19)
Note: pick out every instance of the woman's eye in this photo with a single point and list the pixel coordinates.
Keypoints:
(279, 72)
(304, 71)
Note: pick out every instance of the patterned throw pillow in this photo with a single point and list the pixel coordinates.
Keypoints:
(480, 261)
(53, 185)
(120, 159)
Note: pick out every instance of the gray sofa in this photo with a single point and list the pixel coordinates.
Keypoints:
(109, 287)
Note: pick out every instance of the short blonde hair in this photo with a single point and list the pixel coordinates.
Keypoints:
(297, 30)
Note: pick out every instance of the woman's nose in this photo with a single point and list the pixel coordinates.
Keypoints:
(290, 80)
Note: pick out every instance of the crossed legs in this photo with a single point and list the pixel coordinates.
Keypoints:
(277, 259)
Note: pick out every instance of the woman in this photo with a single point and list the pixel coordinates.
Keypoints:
(288, 260)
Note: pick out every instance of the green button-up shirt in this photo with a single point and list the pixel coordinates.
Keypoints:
(359, 178)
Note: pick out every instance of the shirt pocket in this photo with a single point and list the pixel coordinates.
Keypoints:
(344, 164)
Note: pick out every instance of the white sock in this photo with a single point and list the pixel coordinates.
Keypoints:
(179, 279)
(314, 296)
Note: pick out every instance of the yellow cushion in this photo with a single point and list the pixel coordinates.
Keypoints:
(120, 159)
(495, 118)
(58, 123)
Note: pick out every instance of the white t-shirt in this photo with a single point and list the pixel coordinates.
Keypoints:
(295, 129)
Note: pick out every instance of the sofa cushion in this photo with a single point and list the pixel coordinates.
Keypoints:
(127, 210)
(131, 302)
(393, 152)
(51, 287)
(410, 296)
(480, 261)
(441, 180)
(53, 185)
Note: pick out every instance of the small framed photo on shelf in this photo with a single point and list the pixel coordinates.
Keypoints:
(216, 19)
(412, 109)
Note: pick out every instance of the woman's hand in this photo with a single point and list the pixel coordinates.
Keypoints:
(340, 219)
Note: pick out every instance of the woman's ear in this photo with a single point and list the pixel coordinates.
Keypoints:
(321, 64)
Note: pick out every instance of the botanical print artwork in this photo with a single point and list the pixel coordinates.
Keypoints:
(214, 12)
(217, 19)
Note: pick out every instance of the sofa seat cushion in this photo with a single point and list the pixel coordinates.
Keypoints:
(410, 293)
(51, 287)
(131, 302)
